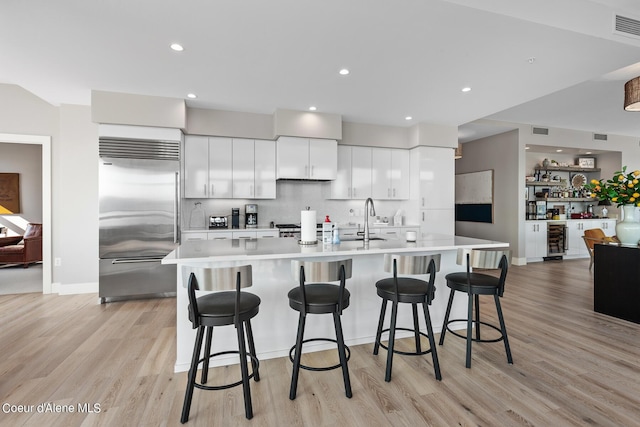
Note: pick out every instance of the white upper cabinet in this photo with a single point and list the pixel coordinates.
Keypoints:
(353, 180)
(207, 167)
(217, 167)
(303, 158)
(196, 167)
(243, 169)
(390, 174)
(265, 169)
(436, 178)
(360, 172)
(254, 169)
(220, 175)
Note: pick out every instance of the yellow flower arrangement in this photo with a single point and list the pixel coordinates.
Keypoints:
(622, 189)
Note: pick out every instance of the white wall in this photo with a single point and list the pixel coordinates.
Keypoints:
(26, 160)
(74, 180)
(500, 154)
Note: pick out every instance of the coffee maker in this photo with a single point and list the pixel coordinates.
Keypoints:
(251, 216)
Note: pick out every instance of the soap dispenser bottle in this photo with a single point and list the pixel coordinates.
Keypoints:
(336, 235)
(327, 229)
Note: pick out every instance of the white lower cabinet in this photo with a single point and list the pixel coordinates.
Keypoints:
(219, 235)
(608, 226)
(575, 231)
(194, 235)
(536, 239)
(577, 247)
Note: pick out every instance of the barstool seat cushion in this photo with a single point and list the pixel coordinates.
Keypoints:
(321, 298)
(482, 283)
(410, 290)
(217, 309)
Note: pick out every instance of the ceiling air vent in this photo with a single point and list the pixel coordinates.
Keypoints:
(540, 131)
(599, 137)
(627, 26)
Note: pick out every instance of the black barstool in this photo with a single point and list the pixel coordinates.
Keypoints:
(228, 307)
(412, 291)
(320, 298)
(476, 284)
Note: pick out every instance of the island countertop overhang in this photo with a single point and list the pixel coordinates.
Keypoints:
(288, 248)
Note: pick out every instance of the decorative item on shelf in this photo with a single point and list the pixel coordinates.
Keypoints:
(545, 163)
(578, 180)
(604, 204)
(587, 162)
(623, 189)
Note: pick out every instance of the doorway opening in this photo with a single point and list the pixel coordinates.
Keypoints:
(45, 143)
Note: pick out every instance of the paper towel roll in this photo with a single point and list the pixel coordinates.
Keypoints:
(308, 226)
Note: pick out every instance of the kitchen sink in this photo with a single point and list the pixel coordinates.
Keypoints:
(359, 238)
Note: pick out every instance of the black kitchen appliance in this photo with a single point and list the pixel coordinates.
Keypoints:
(218, 222)
(251, 216)
(235, 217)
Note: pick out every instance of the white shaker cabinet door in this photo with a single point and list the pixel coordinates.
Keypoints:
(292, 157)
(196, 167)
(341, 186)
(323, 159)
(536, 240)
(220, 168)
(243, 169)
(400, 165)
(381, 173)
(360, 172)
(437, 178)
(265, 169)
(575, 231)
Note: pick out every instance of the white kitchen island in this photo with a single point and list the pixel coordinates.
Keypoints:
(274, 328)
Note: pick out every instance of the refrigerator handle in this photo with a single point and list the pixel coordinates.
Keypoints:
(135, 260)
(176, 208)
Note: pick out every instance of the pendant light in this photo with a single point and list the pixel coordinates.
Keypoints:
(632, 95)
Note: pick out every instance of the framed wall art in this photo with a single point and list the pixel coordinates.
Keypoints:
(587, 162)
(9, 193)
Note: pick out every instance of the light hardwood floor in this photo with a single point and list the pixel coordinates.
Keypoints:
(571, 367)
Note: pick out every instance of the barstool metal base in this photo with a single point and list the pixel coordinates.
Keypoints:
(324, 368)
(253, 358)
(406, 353)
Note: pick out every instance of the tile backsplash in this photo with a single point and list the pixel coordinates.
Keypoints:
(295, 196)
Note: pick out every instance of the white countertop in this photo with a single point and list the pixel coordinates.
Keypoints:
(287, 248)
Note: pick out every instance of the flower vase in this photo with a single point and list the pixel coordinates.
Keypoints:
(628, 230)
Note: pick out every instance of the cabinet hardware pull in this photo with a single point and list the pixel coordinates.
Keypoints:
(394, 192)
(311, 170)
(388, 192)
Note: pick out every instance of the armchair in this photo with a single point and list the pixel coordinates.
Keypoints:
(596, 236)
(22, 249)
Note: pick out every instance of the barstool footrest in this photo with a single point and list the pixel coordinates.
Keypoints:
(225, 386)
(405, 353)
(501, 338)
(327, 368)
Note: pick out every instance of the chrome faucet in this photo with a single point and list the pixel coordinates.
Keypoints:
(367, 212)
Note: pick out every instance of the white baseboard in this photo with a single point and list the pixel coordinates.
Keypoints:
(518, 261)
(74, 288)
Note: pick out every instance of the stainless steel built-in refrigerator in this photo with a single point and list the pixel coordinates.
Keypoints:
(139, 217)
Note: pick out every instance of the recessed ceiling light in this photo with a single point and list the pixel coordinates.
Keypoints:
(312, 108)
(408, 118)
(466, 89)
(558, 151)
(344, 72)
(526, 148)
(588, 152)
(177, 47)
(191, 95)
